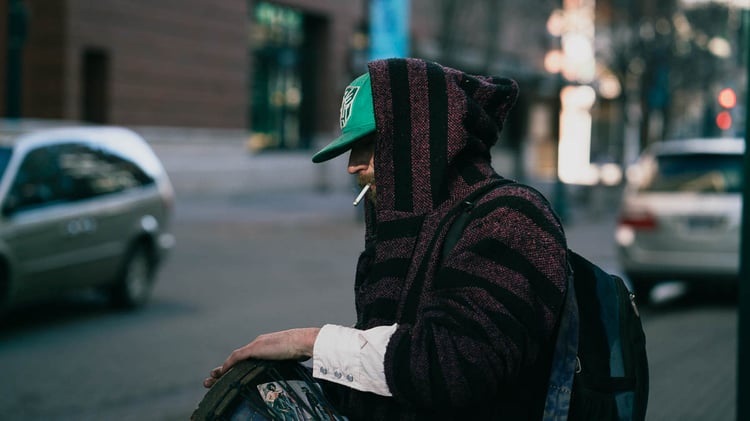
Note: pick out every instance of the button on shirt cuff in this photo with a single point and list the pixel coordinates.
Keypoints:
(353, 357)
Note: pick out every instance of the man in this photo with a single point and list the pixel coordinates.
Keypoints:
(468, 335)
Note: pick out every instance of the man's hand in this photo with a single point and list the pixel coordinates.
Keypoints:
(292, 344)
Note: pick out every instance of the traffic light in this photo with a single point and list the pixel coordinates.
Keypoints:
(727, 99)
(724, 120)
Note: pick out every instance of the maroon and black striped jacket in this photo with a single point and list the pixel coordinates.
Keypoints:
(475, 329)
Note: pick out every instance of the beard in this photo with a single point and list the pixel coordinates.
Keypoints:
(365, 179)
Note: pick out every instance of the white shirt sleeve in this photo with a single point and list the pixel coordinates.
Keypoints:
(353, 357)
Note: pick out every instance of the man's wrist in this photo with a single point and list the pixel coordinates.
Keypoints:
(309, 337)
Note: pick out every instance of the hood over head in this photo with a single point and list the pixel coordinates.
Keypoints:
(435, 127)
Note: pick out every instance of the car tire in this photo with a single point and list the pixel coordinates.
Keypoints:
(136, 279)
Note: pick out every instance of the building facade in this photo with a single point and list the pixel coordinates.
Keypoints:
(276, 68)
(300, 58)
(189, 63)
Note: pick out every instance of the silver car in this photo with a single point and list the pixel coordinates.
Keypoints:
(81, 207)
(681, 213)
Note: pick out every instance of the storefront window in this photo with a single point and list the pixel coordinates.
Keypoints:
(276, 38)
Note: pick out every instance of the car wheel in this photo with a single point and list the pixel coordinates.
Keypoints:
(133, 288)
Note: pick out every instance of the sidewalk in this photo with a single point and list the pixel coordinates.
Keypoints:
(221, 166)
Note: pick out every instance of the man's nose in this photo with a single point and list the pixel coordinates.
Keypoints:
(355, 168)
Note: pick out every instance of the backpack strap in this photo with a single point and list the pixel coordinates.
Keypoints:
(565, 360)
(457, 228)
(459, 224)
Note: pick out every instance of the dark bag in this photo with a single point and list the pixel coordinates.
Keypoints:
(261, 390)
(599, 369)
(610, 380)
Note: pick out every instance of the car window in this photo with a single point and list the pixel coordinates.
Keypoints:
(5, 153)
(699, 173)
(93, 171)
(37, 182)
(69, 172)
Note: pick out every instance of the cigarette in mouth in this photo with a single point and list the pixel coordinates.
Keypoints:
(361, 194)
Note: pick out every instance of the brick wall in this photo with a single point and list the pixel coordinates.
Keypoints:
(171, 62)
(42, 95)
(168, 62)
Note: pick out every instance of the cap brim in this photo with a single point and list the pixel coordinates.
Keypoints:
(340, 145)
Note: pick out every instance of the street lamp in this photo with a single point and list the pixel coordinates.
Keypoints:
(574, 66)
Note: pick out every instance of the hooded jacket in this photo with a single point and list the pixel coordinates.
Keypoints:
(475, 329)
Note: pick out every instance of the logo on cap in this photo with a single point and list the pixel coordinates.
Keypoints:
(346, 104)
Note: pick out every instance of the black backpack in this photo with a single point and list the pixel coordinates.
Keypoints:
(600, 368)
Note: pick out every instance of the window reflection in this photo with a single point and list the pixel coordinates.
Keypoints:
(697, 173)
(71, 172)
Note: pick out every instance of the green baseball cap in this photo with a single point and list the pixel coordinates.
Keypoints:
(357, 119)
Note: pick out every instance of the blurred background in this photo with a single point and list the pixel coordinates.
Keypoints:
(638, 71)
(234, 96)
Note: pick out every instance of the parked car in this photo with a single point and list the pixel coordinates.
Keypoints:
(81, 207)
(681, 213)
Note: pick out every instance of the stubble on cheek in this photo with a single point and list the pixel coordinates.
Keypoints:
(365, 179)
